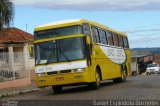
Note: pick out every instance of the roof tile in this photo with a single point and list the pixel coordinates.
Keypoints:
(14, 35)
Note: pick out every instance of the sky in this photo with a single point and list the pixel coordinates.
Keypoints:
(140, 19)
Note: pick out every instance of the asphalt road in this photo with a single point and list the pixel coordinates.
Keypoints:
(141, 87)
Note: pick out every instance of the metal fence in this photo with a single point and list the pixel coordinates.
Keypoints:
(12, 66)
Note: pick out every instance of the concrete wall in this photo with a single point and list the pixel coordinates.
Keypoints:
(24, 73)
(31, 63)
(134, 66)
(32, 68)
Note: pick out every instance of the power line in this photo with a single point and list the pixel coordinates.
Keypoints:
(152, 35)
(143, 30)
(148, 34)
(142, 26)
(26, 27)
(144, 40)
(147, 38)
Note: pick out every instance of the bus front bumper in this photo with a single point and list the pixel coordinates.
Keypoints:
(62, 79)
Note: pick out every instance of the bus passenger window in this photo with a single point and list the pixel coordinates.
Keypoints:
(115, 39)
(110, 38)
(86, 29)
(95, 35)
(121, 41)
(125, 40)
(102, 35)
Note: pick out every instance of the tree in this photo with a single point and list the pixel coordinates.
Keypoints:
(6, 13)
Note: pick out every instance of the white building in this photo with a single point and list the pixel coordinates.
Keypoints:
(14, 57)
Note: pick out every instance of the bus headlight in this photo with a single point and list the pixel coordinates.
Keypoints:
(41, 74)
(79, 70)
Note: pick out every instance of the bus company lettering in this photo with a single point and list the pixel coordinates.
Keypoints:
(117, 55)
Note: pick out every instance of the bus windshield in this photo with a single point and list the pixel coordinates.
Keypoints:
(59, 51)
(57, 32)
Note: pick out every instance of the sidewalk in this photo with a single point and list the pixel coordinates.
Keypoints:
(20, 90)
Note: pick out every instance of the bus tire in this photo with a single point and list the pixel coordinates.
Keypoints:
(57, 89)
(122, 78)
(124, 75)
(95, 85)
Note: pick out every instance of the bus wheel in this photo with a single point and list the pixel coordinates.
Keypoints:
(57, 89)
(95, 85)
(122, 78)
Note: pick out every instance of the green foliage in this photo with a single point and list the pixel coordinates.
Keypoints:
(6, 13)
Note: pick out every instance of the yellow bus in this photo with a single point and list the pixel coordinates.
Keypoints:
(79, 51)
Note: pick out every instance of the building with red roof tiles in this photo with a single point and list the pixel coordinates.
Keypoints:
(2, 46)
(14, 35)
(157, 58)
(14, 57)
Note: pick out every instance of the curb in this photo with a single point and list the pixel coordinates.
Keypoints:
(17, 92)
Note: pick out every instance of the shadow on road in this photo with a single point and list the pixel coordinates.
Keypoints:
(85, 88)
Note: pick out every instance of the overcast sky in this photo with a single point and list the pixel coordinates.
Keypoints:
(138, 18)
(93, 5)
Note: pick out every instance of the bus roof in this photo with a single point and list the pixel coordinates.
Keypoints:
(59, 22)
(70, 22)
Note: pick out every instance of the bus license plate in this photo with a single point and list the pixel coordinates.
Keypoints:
(59, 79)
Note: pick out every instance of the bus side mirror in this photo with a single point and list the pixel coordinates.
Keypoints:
(31, 50)
(88, 41)
(88, 50)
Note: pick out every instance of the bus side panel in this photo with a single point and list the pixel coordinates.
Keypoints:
(91, 70)
(128, 62)
(108, 68)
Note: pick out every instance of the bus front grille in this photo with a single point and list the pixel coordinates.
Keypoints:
(65, 71)
(50, 73)
(57, 72)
